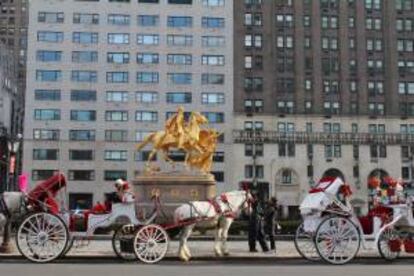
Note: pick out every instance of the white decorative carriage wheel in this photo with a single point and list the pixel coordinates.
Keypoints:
(123, 243)
(337, 240)
(383, 244)
(42, 237)
(151, 243)
(305, 245)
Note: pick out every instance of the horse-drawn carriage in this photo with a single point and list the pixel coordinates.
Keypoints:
(331, 231)
(47, 231)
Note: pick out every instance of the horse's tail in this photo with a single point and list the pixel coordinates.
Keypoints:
(146, 141)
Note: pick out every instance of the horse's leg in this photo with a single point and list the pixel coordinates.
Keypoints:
(224, 235)
(183, 251)
(185, 246)
(217, 247)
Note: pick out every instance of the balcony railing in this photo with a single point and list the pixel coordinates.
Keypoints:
(270, 137)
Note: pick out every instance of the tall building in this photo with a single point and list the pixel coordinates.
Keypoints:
(13, 34)
(103, 74)
(9, 105)
(322, 87)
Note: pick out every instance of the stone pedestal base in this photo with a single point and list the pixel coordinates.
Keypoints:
(174, 189)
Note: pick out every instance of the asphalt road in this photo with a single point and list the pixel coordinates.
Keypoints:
(291, 267)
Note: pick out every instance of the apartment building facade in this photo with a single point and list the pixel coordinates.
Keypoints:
(102, 74)
(323, 87)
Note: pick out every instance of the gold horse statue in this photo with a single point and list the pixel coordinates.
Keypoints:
(186, 136)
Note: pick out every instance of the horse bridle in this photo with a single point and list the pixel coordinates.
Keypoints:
(247, 200)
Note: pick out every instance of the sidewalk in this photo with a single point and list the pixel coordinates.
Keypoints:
(202, 250)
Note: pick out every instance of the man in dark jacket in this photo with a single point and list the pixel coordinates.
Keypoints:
(256, 232)
(270, 214)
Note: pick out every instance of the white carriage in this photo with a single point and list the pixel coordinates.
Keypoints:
(332, 232)
(48, 232)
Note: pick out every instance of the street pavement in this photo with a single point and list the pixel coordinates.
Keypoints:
(97, 259)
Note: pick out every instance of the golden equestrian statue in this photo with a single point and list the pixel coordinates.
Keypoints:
(198, 144)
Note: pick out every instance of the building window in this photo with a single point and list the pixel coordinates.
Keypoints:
(378, 151)
(48, 75)
(47, 95)
(38, 175)
(110, 175)
(212, 98)
(180, 21)
(51, 17)
(146, 116)
(116, 155)
(146, 97)
(213, 41)
(213, 3)
(85, 38)
(117, 57)
(179, 97)
(118, 38)
(147, 77)
(84, 76)
(47, 114)
(116, 135)
(212, 22)
(45, 36)
(144, 156)
(119, 19)
(214, 117)
(116, 116)
(179, 40)
(253, 106)
(83, 95)
(213, 60)
(254, 172)
(148, 58)
(333, 151)
(286, 149)
(140, 135)
(84, 56)
(86, 18)
(83, 115)
(179, 59)
(179, 78)
(46, 134)
(148, 20)
(45, 154)
(81, 175)
(82, 135)
(48, 56)
(148, 39)
(117, 77)
(117, 96)
(81, 155)
(212, 79)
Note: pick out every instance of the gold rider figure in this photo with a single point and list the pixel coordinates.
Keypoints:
(175, 127)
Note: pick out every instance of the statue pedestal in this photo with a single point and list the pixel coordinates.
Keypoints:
(174, 189)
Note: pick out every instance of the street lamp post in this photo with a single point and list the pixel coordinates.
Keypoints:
(13, 147)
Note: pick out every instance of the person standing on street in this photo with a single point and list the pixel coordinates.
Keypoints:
(256, 232)
(270, 214)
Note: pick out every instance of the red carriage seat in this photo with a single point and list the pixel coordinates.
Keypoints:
(367, 222)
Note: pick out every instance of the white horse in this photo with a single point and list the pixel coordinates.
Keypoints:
(10, 206)
(220, 212)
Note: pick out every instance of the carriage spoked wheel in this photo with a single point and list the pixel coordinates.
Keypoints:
(387, 240)
(337, 240)
(42, 237)
(305, 245)
(123, 242)
(151, 243)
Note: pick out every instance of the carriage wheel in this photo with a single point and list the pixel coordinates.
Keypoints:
(151, 243)
(305, 245)
(68, 246)
(383, 244)
(123, 243)
(42, 237)
(337, 240)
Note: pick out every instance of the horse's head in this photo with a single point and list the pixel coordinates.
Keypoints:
(198, 118)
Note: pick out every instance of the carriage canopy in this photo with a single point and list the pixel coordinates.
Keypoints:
(48, 188)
